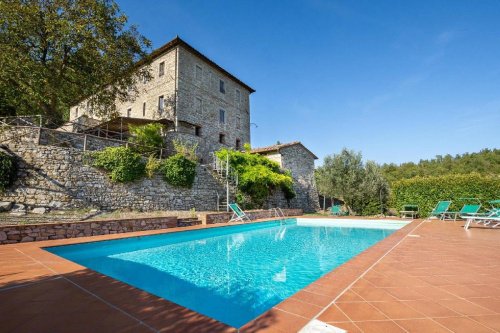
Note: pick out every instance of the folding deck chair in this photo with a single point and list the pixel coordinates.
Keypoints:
(238, 213)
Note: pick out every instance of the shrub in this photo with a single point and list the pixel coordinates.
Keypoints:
(179, 171)
(122, 163)
(186, 149)
(146, 138)
(258, 177)
(152, 165)
(8, 170)
(427, 191)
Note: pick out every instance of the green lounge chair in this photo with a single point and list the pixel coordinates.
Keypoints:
(492, 220)
(441, 208)
(409, 211)
(337, 210)
(238, 213)
(467, 210)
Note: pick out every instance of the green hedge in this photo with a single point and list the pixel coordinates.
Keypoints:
(427, 191)
(179, 171)
(121, 163)
(8, 170)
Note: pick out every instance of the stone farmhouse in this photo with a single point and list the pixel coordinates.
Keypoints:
(200, 101)
(196, 100)
(209, 106)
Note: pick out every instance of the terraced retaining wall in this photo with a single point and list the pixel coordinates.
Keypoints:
(46, 231)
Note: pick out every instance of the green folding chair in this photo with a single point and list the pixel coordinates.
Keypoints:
(336, 210)
(440, 209)
(238, 213)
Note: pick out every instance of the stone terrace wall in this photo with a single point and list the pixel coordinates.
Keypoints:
(59, 177)
(30, 233)
(224, 217)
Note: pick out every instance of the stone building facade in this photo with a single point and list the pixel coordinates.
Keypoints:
(198, 96)
(299, 160)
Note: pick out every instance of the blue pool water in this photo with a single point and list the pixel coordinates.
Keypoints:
(234, 273)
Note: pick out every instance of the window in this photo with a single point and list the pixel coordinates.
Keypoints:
(222, 138)
(222, 116)
(197, 130)
(144, 109)
(222, 89)
(197, 104)
(238, 122)
(238, 144)
(199, 73)
(237, 97)
(76, 112)
(161, 103)
(161, 69)
(129, 112)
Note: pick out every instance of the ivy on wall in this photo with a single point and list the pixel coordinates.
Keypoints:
(258, 177)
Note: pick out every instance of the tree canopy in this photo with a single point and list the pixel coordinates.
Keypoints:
(54, 53)
(485, 162)
(360, 185)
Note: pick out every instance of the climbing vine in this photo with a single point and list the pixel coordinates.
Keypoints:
(258, 177)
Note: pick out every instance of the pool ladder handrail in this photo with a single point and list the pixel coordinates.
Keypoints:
(278, 212)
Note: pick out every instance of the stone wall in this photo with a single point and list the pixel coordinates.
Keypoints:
(200, 99)
(224, 217)
(31, 233)
(300, 162)
(149, 93)
(59, 177)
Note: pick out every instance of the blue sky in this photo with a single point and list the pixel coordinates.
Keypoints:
(397, 80)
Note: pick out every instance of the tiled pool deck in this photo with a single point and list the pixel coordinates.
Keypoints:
(426, 277)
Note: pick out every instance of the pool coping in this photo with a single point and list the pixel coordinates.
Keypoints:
(290, 315)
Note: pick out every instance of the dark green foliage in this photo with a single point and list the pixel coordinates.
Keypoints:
(122, 163)
(427, 191)
(54, 53)
(146, 138)
(258, 177)
(8, 170)
(486, 162)
(179, 171)
(360, 185)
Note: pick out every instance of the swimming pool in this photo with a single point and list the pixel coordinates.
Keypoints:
(234, 273)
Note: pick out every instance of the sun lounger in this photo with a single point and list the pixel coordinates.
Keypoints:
(466, 211)
(338, 211)
(441, 208)
(238, 213)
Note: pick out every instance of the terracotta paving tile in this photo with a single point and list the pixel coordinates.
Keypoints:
(350, 327)
(465, 307)
(299, 308)
(275, 320)
(490, 303)
(422, 326)
(397, 310)
(350, 296)
(358, 311)
(315, 299)
(333, 314)
(435, 293)
(492, 321)
(463, 324)
(431, 309)
(404, 293)
(386, 326)
(373, 294)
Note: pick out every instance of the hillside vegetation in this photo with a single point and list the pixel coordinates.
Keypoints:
(485, 162)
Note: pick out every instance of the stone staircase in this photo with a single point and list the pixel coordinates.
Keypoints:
(226, 176)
